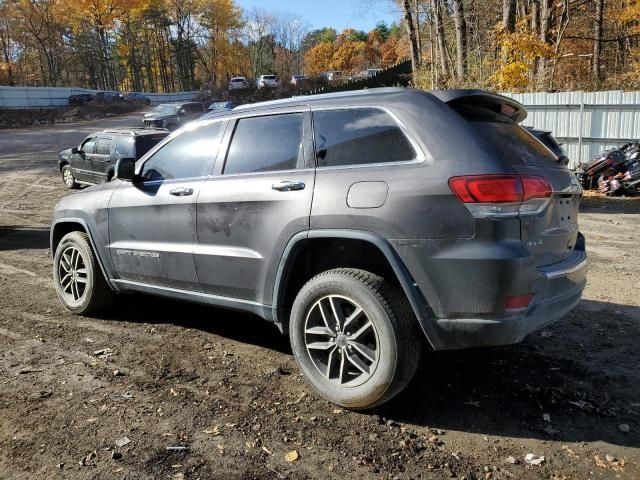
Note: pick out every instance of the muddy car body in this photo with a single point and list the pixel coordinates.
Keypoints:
(352, 221)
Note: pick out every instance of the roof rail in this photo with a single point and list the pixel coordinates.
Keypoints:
(134, 131)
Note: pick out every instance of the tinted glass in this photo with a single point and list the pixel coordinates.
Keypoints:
(185, 156)
(103, 147)
(512, 144)
(145, 143)
(359, 136)
(268, 143)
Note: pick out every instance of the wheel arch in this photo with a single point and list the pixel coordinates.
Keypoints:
(377, 250)
(63, 226)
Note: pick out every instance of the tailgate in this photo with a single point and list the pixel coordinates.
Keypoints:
(551, 234)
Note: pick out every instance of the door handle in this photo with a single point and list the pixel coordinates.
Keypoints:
(181, 192)
(288, 186)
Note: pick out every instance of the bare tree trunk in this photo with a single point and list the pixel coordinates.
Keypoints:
(411, 31)
(441, 42)
(597, 43)
(461, 38)
(418, 34)
(562, 27)
(545, 25)
(509, 15)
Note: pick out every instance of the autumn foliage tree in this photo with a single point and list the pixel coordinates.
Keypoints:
(352, 51)
(525, 44)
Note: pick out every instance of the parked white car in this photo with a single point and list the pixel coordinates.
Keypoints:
(238, 83)
(268, 81)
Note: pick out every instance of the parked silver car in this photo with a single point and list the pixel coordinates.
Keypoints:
(267, 81)
(238, 83)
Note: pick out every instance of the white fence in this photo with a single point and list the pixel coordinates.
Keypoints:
(49, 97)
(586, 123)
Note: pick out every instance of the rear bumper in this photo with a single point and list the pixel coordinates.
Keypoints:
(558, 291)
(476, 285)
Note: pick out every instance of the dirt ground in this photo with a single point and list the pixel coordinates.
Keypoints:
(225, 385)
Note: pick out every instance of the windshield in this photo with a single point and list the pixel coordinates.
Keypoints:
(166, 109)
(237, 80)
(269, 77)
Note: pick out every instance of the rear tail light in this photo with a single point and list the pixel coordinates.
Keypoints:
(502, 195)
(517, 302)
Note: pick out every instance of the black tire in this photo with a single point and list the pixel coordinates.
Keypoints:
(68, 178)
(95, 294)
(398, 341)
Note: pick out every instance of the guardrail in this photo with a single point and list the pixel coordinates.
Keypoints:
(56, 97)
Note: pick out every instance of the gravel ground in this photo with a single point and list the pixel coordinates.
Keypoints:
(226, 386)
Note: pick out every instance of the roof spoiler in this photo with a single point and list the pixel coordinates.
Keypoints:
(498, 103)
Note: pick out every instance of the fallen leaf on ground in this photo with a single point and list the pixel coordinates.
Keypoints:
(291, 456)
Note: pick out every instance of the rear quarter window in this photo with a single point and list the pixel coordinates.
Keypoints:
(358, 136)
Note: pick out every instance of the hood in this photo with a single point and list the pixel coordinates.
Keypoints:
(65, 153)
(156, 116)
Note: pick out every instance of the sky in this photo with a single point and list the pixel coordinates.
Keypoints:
(339, 14)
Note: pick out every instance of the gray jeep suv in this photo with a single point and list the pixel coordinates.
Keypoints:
(360, 223)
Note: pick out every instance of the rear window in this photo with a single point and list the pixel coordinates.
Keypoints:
(509, 142)
(514, 145)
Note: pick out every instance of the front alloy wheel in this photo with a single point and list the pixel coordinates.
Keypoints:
(77, 277)
(72, 274)
(68, 177)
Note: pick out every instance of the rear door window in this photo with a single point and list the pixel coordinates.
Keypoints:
(263, 144)
(103, 147)
(358, 136)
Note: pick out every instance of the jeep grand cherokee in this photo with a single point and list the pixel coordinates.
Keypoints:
(360, 223)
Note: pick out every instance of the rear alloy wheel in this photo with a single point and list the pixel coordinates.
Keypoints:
(354, 337)
(68, 177)
(77, 277)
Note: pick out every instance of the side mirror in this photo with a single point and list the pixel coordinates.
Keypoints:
(75, 151)
(126, 169)
(564, 160)
(182, 113)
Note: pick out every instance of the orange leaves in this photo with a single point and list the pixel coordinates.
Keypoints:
(348, 56)
(319, 58)
(352, 51)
